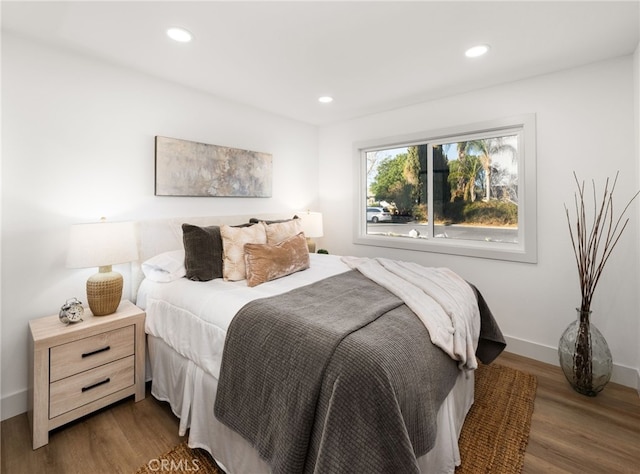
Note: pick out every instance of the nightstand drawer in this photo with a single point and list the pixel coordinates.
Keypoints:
(73, 392)
(84, 354)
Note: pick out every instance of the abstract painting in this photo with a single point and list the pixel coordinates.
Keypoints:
(185, 168)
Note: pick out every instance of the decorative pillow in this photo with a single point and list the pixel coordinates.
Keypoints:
(266, 262)
(279, 231)
(203, 252)
(233, 241)
(255, 220)
(165, 267)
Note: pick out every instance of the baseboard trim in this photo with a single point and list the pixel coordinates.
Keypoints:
(14, 405)
(627, 376)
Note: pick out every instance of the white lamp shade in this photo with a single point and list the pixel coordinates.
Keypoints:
(311, 223)
(101, 244)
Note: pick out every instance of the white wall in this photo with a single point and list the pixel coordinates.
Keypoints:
(636, 83)
(78, 144)
(585, 122)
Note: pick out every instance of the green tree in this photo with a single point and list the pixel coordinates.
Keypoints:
(393, 182)
(390, 173)
(412, 173)
(463, 174)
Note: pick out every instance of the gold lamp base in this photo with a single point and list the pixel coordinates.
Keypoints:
(311, 244)
(104, 291)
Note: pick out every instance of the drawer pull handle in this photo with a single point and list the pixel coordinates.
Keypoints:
(97, 351)
(97, 384)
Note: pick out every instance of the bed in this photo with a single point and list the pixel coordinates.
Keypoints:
(206, 381)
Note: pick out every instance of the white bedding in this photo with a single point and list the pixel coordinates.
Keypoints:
(193, 317)
(187, 323)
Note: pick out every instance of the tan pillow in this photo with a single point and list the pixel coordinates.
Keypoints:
(279, 231)
(267, 262)
(233, 241)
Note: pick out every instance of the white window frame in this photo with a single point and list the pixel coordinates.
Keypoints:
(525, 250)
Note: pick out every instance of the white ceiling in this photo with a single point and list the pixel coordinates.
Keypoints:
(370, 56)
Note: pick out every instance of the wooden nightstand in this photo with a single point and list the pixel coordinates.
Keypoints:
(79, 368)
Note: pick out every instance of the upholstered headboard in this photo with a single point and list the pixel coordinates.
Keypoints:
(162, 235)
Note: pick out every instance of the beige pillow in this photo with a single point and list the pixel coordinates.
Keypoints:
(279, 231)
(233, 241)
(266, 262)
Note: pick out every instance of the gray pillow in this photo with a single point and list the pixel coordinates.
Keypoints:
(203, 252)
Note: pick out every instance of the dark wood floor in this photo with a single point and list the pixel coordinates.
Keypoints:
(570, 433)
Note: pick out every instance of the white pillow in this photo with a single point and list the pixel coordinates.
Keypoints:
(166, 267)
(233, 240)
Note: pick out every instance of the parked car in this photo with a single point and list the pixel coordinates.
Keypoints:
(378, 214)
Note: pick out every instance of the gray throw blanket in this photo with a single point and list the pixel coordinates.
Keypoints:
(337, 376)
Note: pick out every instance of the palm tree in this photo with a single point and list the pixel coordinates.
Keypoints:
(463, 174)
(484, 149)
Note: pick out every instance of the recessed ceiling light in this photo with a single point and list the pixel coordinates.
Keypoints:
(179, 34)
(325, 99)
(476, 51)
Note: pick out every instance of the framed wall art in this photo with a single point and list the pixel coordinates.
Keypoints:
(186, 168)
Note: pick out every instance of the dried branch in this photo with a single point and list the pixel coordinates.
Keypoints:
(593, 243)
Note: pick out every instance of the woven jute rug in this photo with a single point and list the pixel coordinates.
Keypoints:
(493, 439)
(495, 433)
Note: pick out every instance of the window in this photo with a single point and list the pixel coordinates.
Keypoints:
(466, 191)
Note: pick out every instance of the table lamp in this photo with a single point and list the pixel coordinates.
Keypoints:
(102, 244)
(312, 227)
